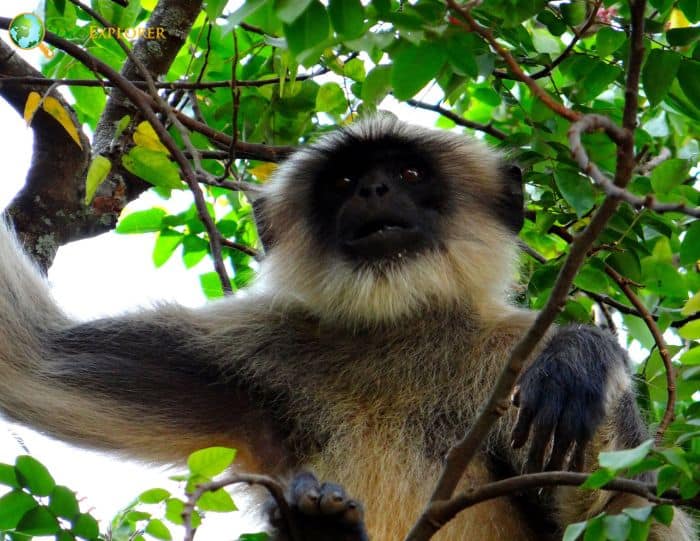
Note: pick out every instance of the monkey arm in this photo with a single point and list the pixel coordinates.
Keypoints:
(575, 400)
(153, 384)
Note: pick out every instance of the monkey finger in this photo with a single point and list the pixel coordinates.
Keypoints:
(333, 499)
(541, 436)
(521, 430)
(515, 396)
(578, 457)
(305, 493)
(563, 440)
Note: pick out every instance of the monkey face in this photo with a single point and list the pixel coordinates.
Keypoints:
(381, 219)
(383, 207)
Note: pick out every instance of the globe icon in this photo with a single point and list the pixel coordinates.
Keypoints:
(26, 30)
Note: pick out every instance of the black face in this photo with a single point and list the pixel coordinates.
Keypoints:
(379, 200)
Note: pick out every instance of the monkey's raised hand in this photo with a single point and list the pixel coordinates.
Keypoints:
(563, 394)
(321, 512)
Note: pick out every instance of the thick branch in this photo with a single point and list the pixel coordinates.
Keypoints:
(45, 209)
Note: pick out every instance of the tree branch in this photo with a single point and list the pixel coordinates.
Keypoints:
(486, 34)
(442, 512)
(643, 312)
(49, 203)
(459, 120)
(273, 487)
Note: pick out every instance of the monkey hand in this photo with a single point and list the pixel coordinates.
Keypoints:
(562, 396)
(320, 512)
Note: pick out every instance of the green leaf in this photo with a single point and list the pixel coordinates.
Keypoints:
(34, 476)
(289, 10)
(574, 12)
(261, 536)
(347, 17)
(575, 188)
(331, 99)
(574, 531)
(309, 30)
(691, 357)
(460, 53)
(355, 69)
(691, 9)
(194, 249)
(97, 173)
(680, 37)
(377, 84)
(690, 247)
(12, 506)
(668, 477)
(211, 461)
(592, 279)
(154, 167)
(595, 530)
(598, 479)
(659, 73)
(663, 513)
(596, 81)
(173, 510)
(38, 521)
(690, 308)
(8, 476)
(214, 8)
(608, 41)
(63, 503)
(121, 126)
(86, 527)
(142, 221)
(154, 495)
(617, 527)
(689, 80)
(691, 330)
(211, 285)
(669, 174)
(219, 501)
(166, 243)
(414, 67)
(640, 514)
(157, 529)
(617, 460)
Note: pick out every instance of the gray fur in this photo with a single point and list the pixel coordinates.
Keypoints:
(366, 376)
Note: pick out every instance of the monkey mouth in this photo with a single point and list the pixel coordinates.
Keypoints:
(383, 239)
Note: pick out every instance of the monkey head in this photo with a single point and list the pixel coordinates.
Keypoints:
(380, 219)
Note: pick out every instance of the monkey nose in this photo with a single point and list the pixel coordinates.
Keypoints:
(378, 189)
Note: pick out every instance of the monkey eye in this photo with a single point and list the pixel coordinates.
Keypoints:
(411, 174)
(343, 183)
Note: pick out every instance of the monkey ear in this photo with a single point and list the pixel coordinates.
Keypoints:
(512, 205)
(263, 223)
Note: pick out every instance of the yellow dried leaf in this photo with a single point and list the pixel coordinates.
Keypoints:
(677, 19)
(53, 107)
(30, 107)
(263, 171)
(145, 136)
(97, 173)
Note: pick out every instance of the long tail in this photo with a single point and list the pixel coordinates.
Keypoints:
(140, 384)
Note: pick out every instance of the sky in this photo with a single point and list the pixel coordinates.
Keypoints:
(77, 278)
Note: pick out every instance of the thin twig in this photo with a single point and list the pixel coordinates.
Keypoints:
(578, 33)
(459, 120)
(645, 314)
(471, 25)
(442, 512)
(273, 487)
